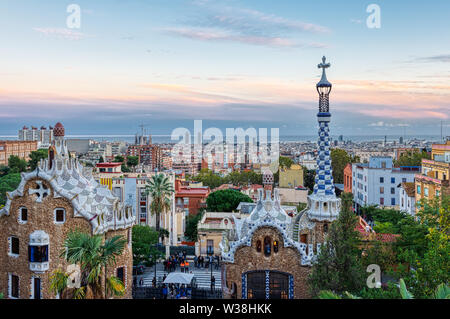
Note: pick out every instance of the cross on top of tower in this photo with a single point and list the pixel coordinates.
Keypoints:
(323, 81)
(323, 64)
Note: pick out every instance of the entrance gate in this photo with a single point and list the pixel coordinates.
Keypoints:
(267, 284)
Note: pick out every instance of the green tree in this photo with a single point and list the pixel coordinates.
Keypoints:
(428, 272)
(144, 238)
(285, 162)
(119, 159)
(191, 231)
(132, 161)
(35, 158)
(160, 189)
(93, 256)
(4, 170)
(339, 267)
(101, 159)
(8, 183)
(339, 159)
(16, 164)
(309, 176)
(226, 200)
(412, 158)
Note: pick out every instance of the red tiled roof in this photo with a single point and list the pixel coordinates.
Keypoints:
(105, 165)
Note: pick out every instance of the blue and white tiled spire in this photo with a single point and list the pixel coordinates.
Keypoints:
(323, 204)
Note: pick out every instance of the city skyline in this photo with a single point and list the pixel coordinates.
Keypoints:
(220, 61)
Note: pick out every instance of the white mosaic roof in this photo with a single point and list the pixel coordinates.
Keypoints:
(69, 179)
(267, 213)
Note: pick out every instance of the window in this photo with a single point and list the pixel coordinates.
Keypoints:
(14, 246)
(267, 246)
(392, 190)
(258, 246)
(325, 228)
(419, 191)
(121, 274)
(304, 238)
(392, 180)
(383, 164)
(381, 190)
(404, 180)
(23, 215)
(210, 247)
(60, 215)
(275, 246)
(425, 191)
(381, 201)
(437, 193)
(38, 254)
(381, 179)
(36, 289)
(13, 288)
(392, 201)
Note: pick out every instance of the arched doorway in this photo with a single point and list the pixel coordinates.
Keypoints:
(267, 284)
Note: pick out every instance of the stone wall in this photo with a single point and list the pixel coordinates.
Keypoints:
(287, 260)
(41, 217)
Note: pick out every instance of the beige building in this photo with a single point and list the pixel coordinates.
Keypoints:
(291, 177)
(293, 195)
(210, 229)
(21, 149)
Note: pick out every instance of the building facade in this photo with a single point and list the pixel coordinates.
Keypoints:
(58, 197)
(407, 198)
(21, 149)
(433, 180)
(348, 178)
(291, 177)
(376, 182)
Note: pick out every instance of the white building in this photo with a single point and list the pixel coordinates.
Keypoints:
(407, 198)
(130, 189)
(376, 182)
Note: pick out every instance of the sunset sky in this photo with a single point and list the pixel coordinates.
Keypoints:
(231, 63)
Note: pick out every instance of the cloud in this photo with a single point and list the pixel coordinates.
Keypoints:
(357, 21)
(61, 33)
(383, 124)
(218, 22)
(436, 58)
(220, 35)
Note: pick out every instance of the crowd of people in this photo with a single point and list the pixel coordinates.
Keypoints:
(179, 260)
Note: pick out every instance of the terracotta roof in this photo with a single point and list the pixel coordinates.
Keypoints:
(409, 188)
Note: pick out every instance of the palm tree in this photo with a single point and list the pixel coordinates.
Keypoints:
(160, 188)
(93, 256)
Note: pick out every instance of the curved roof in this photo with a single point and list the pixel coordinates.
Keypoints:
(90, 200)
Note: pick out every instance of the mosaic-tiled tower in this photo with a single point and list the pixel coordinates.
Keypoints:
(323, 204)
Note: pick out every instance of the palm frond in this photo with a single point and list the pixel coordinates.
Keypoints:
(79, 293)
(58, 281)
(115, 286)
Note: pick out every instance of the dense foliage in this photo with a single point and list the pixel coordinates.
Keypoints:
(8, 183)
(35, 158)
(191, 226)
(226, 200)
(339, 159)
(208, 178)
(412, 158)
(144, 240)
(339, 267)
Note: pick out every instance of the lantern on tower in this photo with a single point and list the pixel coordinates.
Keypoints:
(324, 87)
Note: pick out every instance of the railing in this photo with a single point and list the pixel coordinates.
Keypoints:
(156, 293)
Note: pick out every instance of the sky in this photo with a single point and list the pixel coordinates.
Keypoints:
(230, 63)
